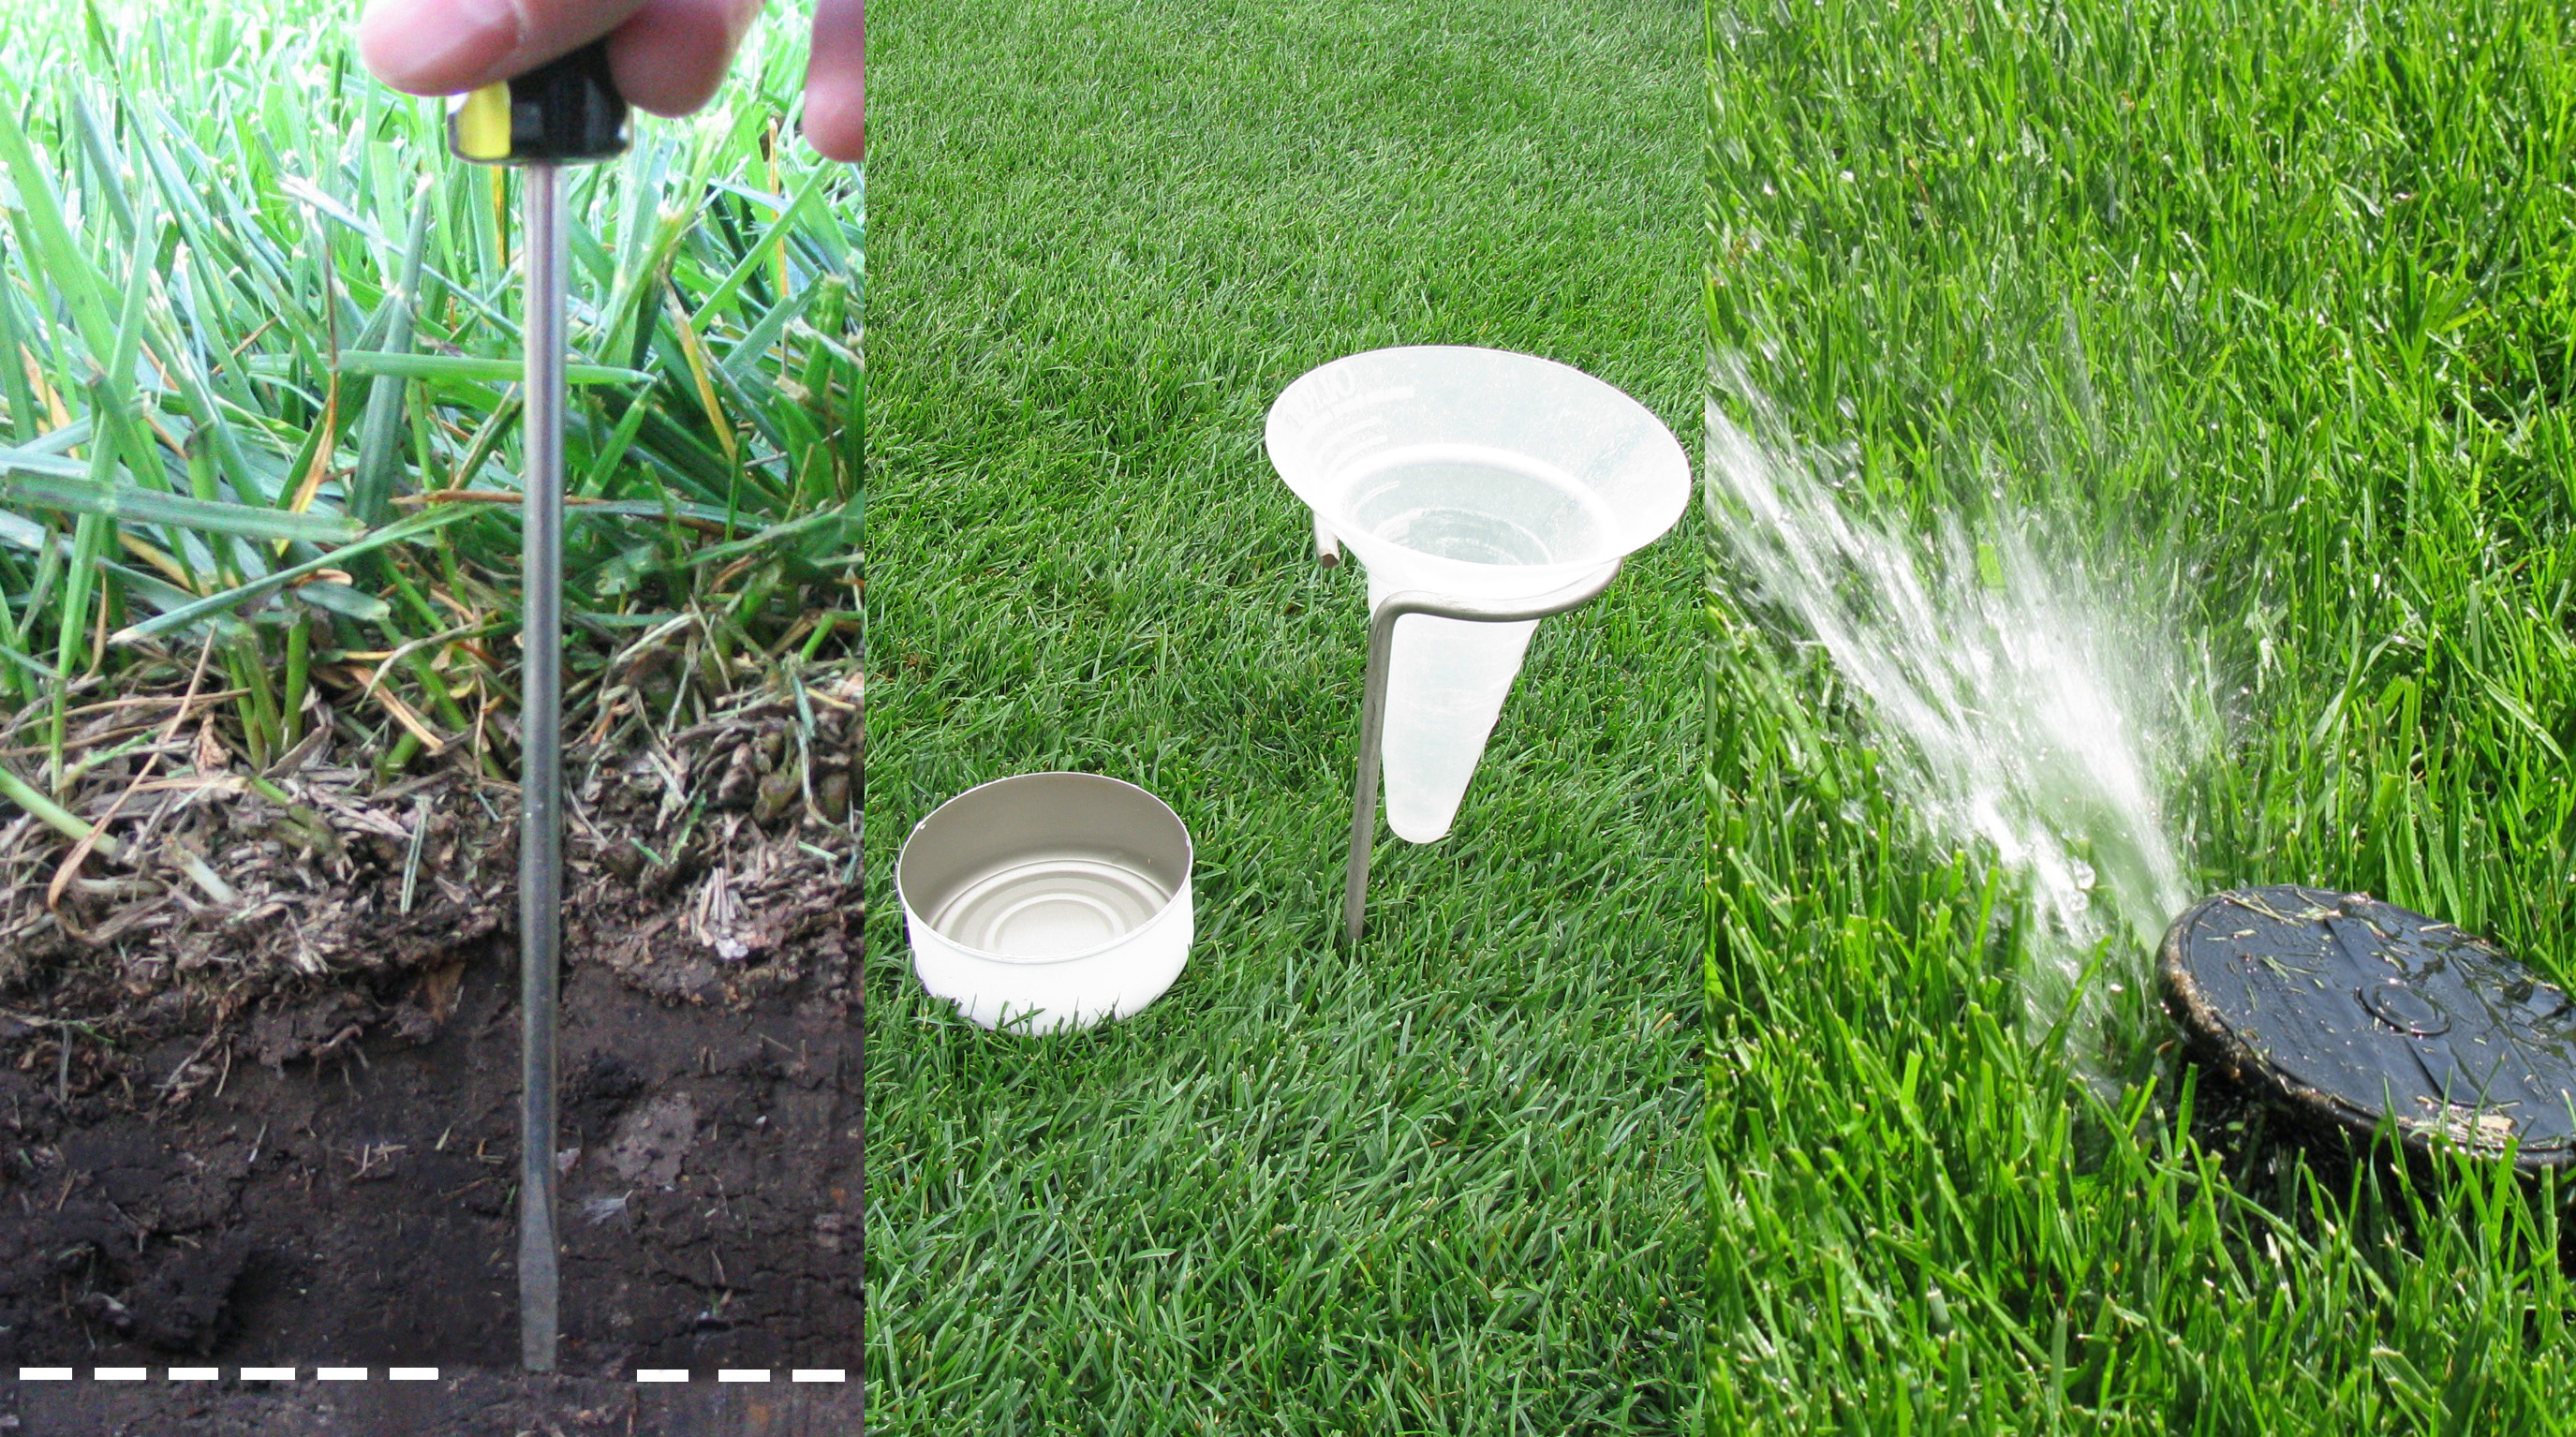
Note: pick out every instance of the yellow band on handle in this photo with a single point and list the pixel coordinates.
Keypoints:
(479, 128)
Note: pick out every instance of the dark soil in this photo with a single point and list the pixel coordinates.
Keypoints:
(259, 1076)
(476, 1404)
(359, 1210)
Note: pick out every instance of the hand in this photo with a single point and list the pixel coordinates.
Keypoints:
(667, 56)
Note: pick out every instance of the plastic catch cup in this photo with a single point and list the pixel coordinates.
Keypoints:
(1047, 902)
(1472, 474)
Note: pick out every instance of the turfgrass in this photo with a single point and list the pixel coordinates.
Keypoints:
(1439, 1185)
(259, 338)
(2268, 310)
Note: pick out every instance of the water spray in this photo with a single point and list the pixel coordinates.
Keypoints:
(2029, 715)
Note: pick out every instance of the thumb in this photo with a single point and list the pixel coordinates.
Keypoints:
(836, 80)
(446, 47)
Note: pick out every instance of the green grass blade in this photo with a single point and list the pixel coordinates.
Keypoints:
(412, 527)
(471, 368)
(51, 814)
(379, 435)
(102, 164)
(108, 499)
(63, 261)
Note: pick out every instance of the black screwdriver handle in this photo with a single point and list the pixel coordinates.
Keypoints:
(566, 111)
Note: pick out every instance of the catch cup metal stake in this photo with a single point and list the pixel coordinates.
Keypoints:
(565, 112)
(1381, 656)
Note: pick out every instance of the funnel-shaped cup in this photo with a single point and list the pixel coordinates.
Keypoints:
(1471, 474)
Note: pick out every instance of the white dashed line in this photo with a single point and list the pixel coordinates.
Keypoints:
(403, 1374)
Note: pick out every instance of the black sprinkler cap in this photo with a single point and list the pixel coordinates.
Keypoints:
(2350, 1012)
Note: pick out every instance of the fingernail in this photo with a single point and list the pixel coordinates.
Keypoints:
(436, 46)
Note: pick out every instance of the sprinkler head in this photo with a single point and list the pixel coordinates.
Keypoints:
(2351, 1013)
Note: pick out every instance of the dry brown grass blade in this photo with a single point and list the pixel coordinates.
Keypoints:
(697, 361)
(391, 657)
(113, 735)
(54, 411)
(320, 468)
(224, 783)
(250, 339)
(152, 419)
(407, 716)
(72, 861)
(464, 612)
(168, 566)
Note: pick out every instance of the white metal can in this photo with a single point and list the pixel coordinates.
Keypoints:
(1047, 902)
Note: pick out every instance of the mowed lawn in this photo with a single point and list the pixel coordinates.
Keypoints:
(2261, 318)
(1445, 1183)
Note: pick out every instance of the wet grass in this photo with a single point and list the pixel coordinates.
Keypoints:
(2268, 309)
(259, 338)
(1439, 1185)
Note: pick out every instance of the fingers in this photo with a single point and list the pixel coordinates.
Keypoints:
(446, 47)
(668, 56)
(672, 54)
(836, 85)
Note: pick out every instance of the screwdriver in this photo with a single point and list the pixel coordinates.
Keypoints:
(564, 112)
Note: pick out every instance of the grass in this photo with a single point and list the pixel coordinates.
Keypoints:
(1411, 1189)
(259, 343)
(2270, 309)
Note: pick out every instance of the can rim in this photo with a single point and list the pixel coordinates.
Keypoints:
(1180, 894)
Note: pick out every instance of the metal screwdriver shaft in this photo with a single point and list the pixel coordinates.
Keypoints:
(541, 766)
(565, 112)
